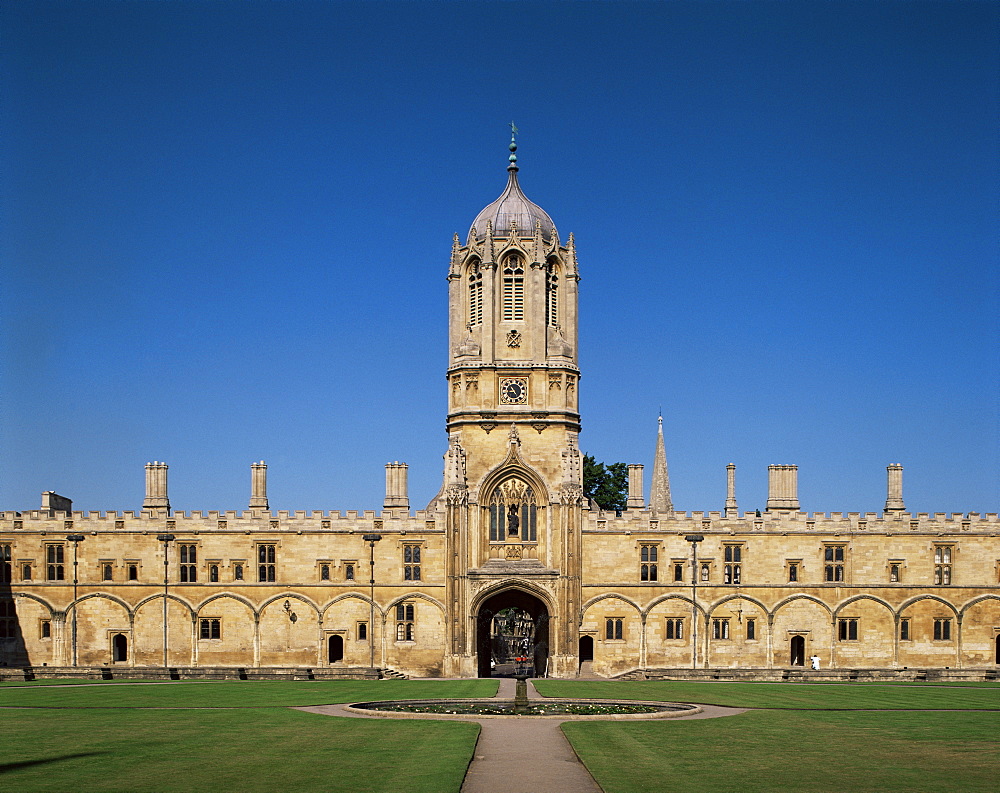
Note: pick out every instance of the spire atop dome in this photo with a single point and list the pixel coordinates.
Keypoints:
(513, 208)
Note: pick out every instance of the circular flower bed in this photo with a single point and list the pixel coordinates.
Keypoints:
(569, 708)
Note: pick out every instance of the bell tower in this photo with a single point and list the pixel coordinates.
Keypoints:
(513, 334)
(512, 490)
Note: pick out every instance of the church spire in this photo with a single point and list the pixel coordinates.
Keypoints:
(659, 494)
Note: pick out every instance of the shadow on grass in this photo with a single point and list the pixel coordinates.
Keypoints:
(5, 767)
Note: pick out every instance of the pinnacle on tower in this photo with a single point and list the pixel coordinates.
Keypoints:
(659, 493)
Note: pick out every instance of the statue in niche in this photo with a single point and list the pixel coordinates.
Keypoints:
(512, 520)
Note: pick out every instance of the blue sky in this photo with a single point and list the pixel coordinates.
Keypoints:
(226, 231)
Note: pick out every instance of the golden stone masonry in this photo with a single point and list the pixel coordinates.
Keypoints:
(647, 592)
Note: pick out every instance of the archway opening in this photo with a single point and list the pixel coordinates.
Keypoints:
(512, 634)
(586, 649)
(119, 648)
(335, 648)
(798, 651)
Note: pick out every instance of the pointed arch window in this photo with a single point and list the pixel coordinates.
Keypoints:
(513, 288)
(475, 295)
(513, 513)
(552, 295)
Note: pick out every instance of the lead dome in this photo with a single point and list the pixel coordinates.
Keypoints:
(513, 206)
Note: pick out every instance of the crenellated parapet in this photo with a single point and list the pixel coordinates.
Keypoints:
(782, 521)
(225, 521)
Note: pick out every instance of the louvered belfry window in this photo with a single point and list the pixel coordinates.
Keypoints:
(513, 288)
(475, 295)
(551, 296)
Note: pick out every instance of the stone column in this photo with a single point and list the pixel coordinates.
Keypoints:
(457, 301)
(396, 496)
(732, 511)
(258, 485)
(570, 299)
(491, 289)
(782, 488)
(534, 309)
(194, 640)
(635, 499)
(61, 649)
(894, 494)
(156, 487)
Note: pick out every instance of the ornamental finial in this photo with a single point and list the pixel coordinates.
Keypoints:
(513, 148)
(512, 437)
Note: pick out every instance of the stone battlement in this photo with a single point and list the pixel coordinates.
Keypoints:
(153, 520)
(894, 522)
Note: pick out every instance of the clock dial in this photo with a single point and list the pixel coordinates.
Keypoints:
(513, 391)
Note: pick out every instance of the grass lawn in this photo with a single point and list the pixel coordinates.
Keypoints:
(241, 693)
(112, 739)
(798, 751)
(63, 681)
(784, 695)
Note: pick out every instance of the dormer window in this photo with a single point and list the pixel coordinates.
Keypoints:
(513, 288)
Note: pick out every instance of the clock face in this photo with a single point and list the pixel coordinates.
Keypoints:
(513, 391)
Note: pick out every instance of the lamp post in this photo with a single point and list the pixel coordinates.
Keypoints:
(76, 539)
(694, 539)
(165, 539)
(371, 539)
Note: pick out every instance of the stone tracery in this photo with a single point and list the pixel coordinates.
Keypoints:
(513, 512)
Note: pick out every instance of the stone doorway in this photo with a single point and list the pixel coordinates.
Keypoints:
(798, 651)
(586, 649)
(335, 649)
(119, 648)
(512, 625)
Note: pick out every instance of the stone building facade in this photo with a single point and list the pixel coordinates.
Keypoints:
(509, 533)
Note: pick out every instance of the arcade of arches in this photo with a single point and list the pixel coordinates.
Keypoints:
(508, 560)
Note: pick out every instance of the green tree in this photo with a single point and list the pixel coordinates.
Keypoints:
(607, 484)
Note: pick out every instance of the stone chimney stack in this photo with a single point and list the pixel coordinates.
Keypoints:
(258, 485)
(635, 499)
(894, 490)
(396, 496)
(782, 488)
(53, 502)
(156, 487)
(732, 511)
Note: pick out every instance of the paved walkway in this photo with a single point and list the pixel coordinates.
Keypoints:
(529, 754)
(525, 754)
